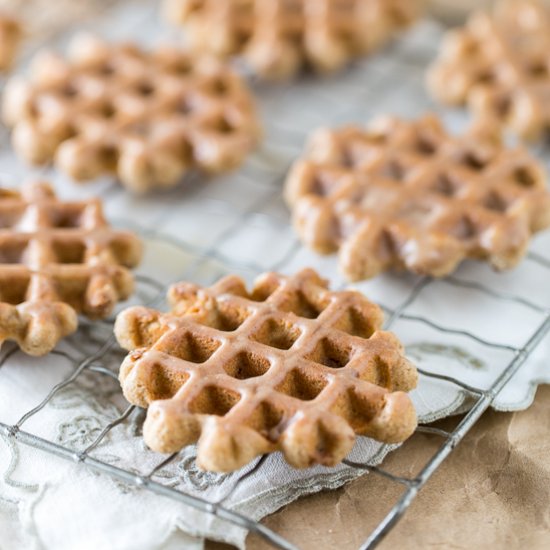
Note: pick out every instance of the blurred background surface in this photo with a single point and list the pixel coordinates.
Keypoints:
(54, 13)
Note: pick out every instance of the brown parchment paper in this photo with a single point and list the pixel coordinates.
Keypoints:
(493, 491)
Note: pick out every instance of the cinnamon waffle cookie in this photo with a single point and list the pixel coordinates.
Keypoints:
(289, 366)
(278, 37)
(147, 117)
(10, 37)
(407, 195)
(499, 65)
(57, 259)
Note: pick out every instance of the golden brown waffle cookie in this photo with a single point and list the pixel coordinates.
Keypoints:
(499, 65)
(147, 117)
(10, 37)
(278, 37)
(57, 259)
(407, 195)
(289, 366)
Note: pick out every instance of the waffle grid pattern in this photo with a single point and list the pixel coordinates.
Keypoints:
(498, 64)
(148, 117)
(279, 37)
(407, 195)
(56, 260)
(290, 366)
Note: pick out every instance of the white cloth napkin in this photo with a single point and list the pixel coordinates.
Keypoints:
(240, 220)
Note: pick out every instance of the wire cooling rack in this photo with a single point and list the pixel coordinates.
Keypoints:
(390, 81)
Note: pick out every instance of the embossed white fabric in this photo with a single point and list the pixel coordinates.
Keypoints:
(47, 502)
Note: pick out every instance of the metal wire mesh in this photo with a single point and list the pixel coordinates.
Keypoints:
(371, 86)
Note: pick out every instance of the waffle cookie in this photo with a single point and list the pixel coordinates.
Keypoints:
(57, 259)
(407, 195)
(499, 65)
(279, 37)
(289, 366)
(147, 117)
(10, 38)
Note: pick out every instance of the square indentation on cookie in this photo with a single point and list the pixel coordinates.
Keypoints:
(302, 384)
(277, 334)
(188, 346)
(331, 353)
(247, 365)
(214, 400)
